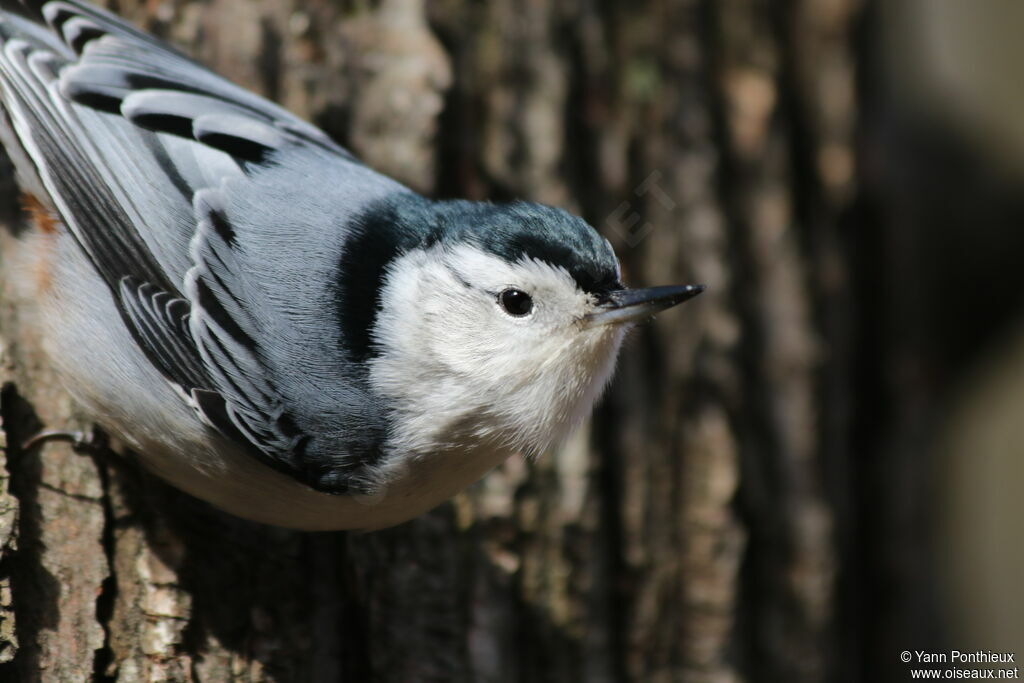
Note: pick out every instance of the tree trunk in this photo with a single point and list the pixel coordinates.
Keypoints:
(692, 532)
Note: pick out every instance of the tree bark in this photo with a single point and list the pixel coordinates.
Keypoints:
(691, 532)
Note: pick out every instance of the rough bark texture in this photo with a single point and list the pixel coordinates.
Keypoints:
(691, 533)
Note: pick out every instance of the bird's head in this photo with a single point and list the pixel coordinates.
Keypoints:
(498, 324)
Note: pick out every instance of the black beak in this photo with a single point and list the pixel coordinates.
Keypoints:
(627, 305)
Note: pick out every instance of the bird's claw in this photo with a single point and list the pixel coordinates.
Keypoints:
(91, 441)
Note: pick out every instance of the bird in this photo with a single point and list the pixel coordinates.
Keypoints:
(270, 324)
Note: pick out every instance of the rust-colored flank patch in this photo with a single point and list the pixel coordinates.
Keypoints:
(48, 226)
(40, 216)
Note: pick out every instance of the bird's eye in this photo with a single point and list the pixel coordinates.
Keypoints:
(515, 302)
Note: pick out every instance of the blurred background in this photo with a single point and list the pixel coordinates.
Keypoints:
(810, 469)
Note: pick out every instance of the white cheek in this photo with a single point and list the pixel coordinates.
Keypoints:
(453, 363)
(480, 344)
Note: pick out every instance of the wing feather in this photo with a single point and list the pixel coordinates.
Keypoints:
(138, 147)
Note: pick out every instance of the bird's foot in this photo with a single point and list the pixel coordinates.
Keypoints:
(90, 442)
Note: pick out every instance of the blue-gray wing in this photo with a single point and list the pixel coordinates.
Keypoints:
(181, 188)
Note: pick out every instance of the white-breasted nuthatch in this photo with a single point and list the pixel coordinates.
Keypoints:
(273, 326)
